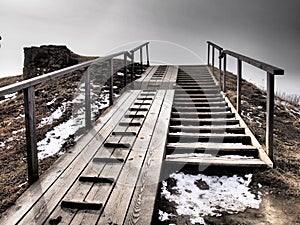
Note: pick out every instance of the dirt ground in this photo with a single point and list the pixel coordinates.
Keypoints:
(281, 185)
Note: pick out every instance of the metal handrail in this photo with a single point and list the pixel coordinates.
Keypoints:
(29, 99)
(271, 72)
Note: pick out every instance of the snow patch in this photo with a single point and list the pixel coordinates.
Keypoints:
(200, 195)
(55, 139)
(9, 97)
(18, 131)
(54, 116)
(163, 216)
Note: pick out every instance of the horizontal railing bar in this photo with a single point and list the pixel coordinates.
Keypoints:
(43, 78)
(214, 45)
(50, 76)
(264, 66)
(137, 48)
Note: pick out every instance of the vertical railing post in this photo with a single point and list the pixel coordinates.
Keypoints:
(224, 72)
(141, 60)
(111, 81)
(208, 54)
(88, 118)
(125, 69)
(220, 68)
(132, 67)
(213, 60)
(270, 115)
(239, 85)
(31, 143)
(147, 53)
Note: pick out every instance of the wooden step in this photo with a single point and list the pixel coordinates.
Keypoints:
(184, 95)
(201, 109)
(179, 121)
(196, 86)
(197, 91)
(213, 147)
(208, 129)
(199, 104)
(216, 161)
(205, 137)
(196, 99)
(203, 115)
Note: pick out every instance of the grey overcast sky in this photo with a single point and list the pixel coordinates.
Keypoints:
(268, 30)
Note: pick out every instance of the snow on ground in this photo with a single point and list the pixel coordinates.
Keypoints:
(200, 195)
(56, 138)
(9, 97)
(54, 116)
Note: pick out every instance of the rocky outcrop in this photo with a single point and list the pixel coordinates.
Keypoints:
(48, 58)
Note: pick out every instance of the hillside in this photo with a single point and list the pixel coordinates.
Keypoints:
(60, 101)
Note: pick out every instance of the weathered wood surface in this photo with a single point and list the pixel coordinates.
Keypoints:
(30, 198)
(112, 174)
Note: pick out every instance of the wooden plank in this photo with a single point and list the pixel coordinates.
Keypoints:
(111, 160)
(131, 167)
(217, 162)
(109, 170)
(30, 197)
(109, 166)
(142, 204)
(199, 145)
(201, 109)
(116, 208)
(54, 194)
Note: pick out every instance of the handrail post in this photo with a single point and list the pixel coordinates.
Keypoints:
(31, 143)
(147, 52)
(239, 84)
(125, 70)
(224, 72)
(213, 60)
(270, 115)
(208, 54)
(132, 67)
(220, 68)
(141, 60)
(111, 81)
(88, 118)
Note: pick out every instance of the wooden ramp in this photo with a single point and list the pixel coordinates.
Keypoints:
(112, 174)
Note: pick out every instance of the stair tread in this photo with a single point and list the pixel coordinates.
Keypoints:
(207, 134)
(210, 145)
(216, 161)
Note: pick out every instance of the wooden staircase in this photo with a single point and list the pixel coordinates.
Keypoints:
(205, 129)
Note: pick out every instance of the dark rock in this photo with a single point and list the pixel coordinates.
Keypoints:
(47, 58)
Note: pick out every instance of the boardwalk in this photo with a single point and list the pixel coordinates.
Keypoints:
(112, 174)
